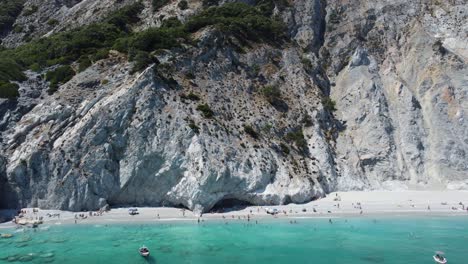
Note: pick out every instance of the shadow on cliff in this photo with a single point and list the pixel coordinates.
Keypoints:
(229, 205)
(8, 196)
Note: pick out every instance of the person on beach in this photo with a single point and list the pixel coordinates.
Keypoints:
(330, 221)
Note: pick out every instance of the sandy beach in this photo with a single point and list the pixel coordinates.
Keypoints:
(338, 204)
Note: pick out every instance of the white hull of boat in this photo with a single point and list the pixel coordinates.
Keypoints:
(440, 261)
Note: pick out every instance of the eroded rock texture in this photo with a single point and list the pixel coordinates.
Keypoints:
(397, 71)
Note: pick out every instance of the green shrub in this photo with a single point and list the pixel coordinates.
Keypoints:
(267, 6)
(273, 95)
(35, 67)
(183, 5)
(190, 75)
(156, 38)
(307, 64)
(171, 22)
(250, 131)
(8, 90)
(298, 138)
(255, 69)
(158, 4)
(194, 127)
(9, 11)
(85, 44)
(92, 42)
(205, 110)
(10, 70)
(100, 54)
(18, 29)
(208, 3)
(284, 148)
(52, 22)
(31, 10)
(84, 63)
(329, 104)
(191, 96)
(141, 60)
(59, 76)
(126, 16)
(239, 20)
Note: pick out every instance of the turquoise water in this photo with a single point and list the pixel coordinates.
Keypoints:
(355, 240)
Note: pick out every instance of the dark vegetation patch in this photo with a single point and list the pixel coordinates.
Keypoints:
(9, 11)
(205, 110)
(241, 21)
(194, 127)
(90, 43)
(273, 95)
(183, 5)
(284, 148)
(297, 137)
(59, 76)
(250, 131)
(30, 10)
(8, 90)
(329, 104)
(52, 22)
(191, 96)
(158, 4)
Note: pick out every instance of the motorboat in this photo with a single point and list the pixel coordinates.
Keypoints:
(439, 257)
(144, 251)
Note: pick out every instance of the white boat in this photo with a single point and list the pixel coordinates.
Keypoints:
(439, 257)
(144, 251)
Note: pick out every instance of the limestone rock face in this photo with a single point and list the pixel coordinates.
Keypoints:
(403, 94)
(397, 71)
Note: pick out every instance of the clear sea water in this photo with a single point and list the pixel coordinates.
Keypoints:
(350, 241)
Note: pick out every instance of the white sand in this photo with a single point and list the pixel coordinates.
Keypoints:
(384, 203)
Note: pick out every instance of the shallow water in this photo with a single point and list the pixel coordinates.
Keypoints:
(354, 240)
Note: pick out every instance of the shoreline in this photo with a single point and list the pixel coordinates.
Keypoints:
(334, 205)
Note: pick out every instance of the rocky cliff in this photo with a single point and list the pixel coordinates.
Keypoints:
(358, 95)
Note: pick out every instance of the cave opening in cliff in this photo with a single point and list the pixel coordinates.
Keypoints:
(229, 204)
